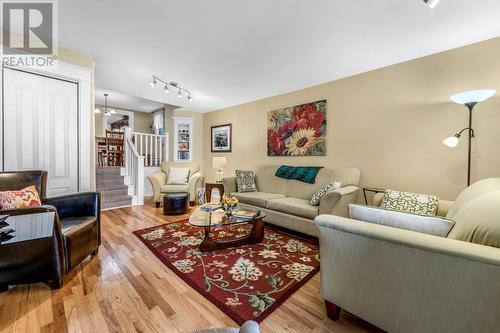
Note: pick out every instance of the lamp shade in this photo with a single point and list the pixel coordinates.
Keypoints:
(451, 142)
(473, 96)
(219, 162)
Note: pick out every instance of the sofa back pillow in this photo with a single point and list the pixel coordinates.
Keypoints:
(178, 176)
(245, 181)
(26, 197)
(316, 198)
(414, 203)
(431, 225)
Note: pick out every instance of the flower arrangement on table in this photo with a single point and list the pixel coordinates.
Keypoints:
(229, 204)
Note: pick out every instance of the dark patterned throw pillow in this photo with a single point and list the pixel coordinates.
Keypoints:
(245, 181)
(316, 198)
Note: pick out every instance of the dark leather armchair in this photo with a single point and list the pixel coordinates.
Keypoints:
(78, 217)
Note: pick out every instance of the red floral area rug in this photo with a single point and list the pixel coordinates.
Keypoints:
(247, 282)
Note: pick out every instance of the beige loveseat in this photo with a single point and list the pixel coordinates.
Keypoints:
(405, 281)
(285, 201)
(158, 181)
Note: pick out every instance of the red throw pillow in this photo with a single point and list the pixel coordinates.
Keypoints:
(27, 197)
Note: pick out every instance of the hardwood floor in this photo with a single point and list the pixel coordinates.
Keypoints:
(127, 289)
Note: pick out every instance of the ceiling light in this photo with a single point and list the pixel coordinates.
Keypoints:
(97, 111)
(153, 83)
(431, 3)
(107, 113)
(170, 85)
(112, 111)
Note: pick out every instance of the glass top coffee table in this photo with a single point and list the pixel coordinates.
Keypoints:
(218, 218)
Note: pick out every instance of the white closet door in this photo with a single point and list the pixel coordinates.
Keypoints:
(41, 128)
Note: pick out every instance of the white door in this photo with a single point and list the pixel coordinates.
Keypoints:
(41, 128)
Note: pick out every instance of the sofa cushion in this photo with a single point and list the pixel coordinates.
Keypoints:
(245, 181)
(256, 198)
(178, 176)
(478, 220)
(293, 206)
(174, 188)
(420, 204)
(432, 225)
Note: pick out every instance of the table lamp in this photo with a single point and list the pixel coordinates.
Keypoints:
(218, 163)
(469, 99)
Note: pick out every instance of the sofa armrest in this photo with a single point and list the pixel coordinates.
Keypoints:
(422, 281)
(229, 185)
(195, 182)
(157, 179)
(335, 202)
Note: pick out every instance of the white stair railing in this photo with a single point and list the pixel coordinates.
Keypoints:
(134, 171)
(153, 147)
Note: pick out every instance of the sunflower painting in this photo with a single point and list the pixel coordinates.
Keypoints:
(297, 131)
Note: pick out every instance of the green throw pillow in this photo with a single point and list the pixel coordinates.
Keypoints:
(316, 198)
(420, 204)
(245, 181)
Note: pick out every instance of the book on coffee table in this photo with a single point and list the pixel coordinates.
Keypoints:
(242, 214)
(210, 207)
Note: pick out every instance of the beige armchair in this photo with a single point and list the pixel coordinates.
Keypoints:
(158, 181)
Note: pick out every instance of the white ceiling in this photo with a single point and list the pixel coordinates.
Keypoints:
(127, 102)
(230, 52)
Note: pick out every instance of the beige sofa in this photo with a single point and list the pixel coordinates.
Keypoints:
(158, 181)
(285, 201)
(405, 281)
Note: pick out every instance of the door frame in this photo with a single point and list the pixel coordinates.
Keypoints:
(83, 79)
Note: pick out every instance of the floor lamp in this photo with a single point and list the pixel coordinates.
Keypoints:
(469, 99)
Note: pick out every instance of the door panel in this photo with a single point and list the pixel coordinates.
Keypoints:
(41, 128)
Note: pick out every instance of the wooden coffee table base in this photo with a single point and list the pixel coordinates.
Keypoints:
(255, 236)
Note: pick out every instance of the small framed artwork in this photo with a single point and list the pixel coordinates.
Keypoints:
(222, 138)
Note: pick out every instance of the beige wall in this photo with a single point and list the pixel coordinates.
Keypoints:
(390, 123)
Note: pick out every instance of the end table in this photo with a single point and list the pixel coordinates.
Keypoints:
(374, 190)
(210, 186)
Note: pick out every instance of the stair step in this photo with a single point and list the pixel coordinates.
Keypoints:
(113, 198)
(114, 192)
(101, 187)
(105, 172)
(114, 204)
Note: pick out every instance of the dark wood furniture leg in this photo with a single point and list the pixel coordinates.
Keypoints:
(255, 236)
(332, 310)
(55, 284)
(157, 204)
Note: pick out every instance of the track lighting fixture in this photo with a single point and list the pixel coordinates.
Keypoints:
(168, 84)
(431, 3)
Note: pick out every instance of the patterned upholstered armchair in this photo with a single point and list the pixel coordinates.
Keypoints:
(159, 179)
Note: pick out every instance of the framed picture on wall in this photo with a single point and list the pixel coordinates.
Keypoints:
(297, 130)
(222, 138)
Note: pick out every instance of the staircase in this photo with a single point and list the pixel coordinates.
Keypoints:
(114, 193)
